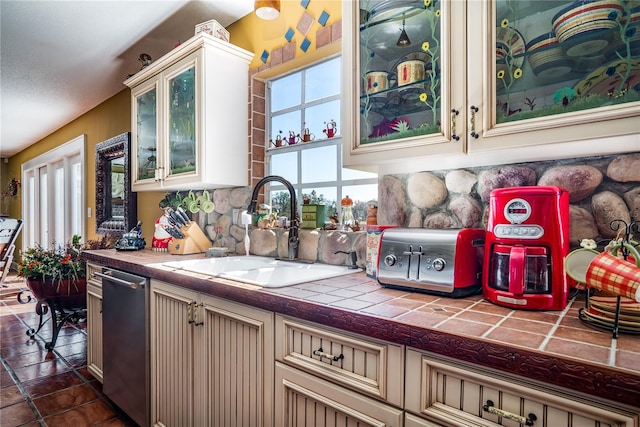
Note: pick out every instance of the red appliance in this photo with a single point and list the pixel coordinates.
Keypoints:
(526, 242)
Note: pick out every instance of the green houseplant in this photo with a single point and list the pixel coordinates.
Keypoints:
(56, 275)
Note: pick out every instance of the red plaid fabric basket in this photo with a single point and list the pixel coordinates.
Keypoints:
(611, 274)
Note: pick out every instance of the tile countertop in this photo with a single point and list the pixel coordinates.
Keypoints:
(549, 346)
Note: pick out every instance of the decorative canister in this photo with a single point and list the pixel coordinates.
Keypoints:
(410, 71)
(376, 81)
(374, 233)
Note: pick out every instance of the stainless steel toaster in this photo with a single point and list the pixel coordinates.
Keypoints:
(445, 262)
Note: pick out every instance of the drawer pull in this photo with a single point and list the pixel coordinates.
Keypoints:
(528, 421)
(321, 354)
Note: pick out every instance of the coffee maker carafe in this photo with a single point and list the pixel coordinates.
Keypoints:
(526, 242)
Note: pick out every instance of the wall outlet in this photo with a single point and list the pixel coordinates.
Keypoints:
(236, 216)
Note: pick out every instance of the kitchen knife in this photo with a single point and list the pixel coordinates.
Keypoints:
(177, 220)
(173, 231)
(183, 214)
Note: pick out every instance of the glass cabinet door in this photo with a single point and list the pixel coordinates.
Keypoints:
(400, 78)
(558, 56)
(181, 100)
(146, 161)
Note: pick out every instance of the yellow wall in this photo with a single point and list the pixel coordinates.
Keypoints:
(113, 116)
(257, 35)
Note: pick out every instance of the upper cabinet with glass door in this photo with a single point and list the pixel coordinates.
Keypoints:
(189, 118)
(499, 79)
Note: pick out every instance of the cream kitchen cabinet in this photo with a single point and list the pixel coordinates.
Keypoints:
(452, 393)
(189, 118)
(94, 322)
(326, 377)
(211, 360)
(469, 90)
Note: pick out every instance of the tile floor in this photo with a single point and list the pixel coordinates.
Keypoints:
(42, 388)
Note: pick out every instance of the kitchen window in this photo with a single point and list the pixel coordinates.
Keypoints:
(305, 142)
(53, 199)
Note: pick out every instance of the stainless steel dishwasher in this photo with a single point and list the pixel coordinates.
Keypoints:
(125, 342)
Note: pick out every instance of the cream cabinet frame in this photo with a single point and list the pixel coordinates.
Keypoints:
(221, 116)
(468, 107)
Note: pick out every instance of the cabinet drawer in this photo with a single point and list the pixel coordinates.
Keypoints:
(368, 366)
(92, 268)
(458, 394)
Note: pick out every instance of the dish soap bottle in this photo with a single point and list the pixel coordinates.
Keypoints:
(346, 213)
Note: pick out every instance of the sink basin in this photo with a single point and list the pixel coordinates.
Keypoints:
(262, 271)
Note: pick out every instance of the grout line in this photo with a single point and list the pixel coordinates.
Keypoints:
(497, 325)
(454, 315)
(556, 325)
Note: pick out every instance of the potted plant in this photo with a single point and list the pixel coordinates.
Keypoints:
(57, 275)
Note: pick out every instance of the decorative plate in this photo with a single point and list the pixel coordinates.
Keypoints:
(606, 79)
(514, 41)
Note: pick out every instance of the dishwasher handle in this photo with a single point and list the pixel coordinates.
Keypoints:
(117, 280)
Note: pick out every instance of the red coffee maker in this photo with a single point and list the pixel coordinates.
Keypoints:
(526, 242)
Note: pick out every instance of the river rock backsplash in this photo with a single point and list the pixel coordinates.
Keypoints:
(601, 189)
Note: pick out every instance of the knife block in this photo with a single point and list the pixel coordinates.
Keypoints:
(194, 241)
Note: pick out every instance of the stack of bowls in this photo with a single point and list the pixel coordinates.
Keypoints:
(547, 58)
(376, 81)
(578, 24)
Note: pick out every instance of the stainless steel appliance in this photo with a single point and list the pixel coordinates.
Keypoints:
(441, 262)
(125, 340)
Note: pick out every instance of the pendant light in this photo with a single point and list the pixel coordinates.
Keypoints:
(403, 41)
(267, 9)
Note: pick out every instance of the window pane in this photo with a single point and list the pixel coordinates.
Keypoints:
(319, 164)
(323, 80)
(361, 195)
(317, 117)
(348, 174)
(44, 208)
(286, 92)
(58, 201)
(323, 196)
(283, 124)
(281, 203)
(76, 198)
(286, 166)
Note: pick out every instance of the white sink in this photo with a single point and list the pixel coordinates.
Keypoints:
(261, 271)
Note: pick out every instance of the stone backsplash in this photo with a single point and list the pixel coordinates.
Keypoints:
(601, 189)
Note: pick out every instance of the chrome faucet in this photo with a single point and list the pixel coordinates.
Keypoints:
(294, 240)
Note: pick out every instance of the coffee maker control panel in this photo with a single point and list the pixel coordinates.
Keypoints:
(518, 231)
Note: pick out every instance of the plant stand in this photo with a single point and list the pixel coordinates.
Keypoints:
(60, 313)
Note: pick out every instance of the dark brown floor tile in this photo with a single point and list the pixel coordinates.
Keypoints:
(463, 327)
(74, 348)
(17, 414)
(64, 399)
(115, 423)
(579, 350)
(47, 385)
(29, 346)
(77, 360)
(21, 360)
(92, 413)
(9, 396)
(39, 370)
(516, 337)
(85, 373)
(5, 379)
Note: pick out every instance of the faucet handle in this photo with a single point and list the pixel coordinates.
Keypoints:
(353, 258)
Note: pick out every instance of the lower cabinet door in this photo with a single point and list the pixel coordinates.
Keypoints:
(172, 355)
(305, 400)
(94, 330)
(234, 368)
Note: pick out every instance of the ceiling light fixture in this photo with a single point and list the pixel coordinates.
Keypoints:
(267, 9)
(403, 41)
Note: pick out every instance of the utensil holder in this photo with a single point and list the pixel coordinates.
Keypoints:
(194, 241)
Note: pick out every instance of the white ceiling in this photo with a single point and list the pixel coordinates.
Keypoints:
(59, 59)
